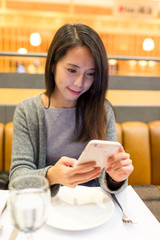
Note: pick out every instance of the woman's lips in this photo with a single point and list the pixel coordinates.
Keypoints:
(74, 92)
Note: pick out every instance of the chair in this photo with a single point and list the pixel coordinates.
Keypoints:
(136, 143)
(8, 133)
(1, 145)
(154, 129)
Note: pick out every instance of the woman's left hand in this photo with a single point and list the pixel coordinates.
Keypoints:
(119, 166)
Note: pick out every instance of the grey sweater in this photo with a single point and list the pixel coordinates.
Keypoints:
(29, 147)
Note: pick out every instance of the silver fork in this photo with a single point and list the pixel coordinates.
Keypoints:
(125, 219)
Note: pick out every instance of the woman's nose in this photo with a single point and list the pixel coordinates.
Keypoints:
(79, 81)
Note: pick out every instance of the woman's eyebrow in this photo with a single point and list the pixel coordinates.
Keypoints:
(73, 65)
(76, 66)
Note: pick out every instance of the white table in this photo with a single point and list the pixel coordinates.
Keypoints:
(146, 226)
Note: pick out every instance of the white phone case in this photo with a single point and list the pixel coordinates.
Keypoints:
(99, 151)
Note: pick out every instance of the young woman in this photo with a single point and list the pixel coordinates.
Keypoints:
(52, 129)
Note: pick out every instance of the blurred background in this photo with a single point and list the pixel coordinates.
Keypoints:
(130, 30)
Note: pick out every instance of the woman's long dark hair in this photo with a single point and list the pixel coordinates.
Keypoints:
(91, 104)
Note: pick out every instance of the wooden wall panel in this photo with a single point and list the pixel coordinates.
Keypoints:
(40, 6)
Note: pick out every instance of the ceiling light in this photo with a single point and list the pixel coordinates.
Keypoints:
(151, 63)
(112, 61)
(132, 63)
(148, 44)
(36, 62)
(22, 50)
(35, 39)
(21, 69)
(143, 63)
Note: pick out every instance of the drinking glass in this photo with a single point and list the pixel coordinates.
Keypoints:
(29, 202)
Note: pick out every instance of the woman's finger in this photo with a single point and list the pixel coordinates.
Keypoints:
(119, 165)
(77, 181)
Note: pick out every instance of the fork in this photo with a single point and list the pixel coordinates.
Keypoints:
(2, 211)
(14, 234)
(125, 219)
(5, 206)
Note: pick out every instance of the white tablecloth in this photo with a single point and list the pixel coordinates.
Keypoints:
(145, 227)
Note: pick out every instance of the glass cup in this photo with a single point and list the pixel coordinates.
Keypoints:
(29, 202)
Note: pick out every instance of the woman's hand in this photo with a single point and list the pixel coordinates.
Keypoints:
(62, 173)
(119, 166)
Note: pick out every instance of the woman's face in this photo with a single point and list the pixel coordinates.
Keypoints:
(74, 75)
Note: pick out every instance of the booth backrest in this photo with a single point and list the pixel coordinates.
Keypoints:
(154, 129)
(8, 135)
(1, 145)
(142, 142)
(139, 139)
(136, 142)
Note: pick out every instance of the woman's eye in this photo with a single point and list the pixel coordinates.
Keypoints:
(91, 74)
(71, 70)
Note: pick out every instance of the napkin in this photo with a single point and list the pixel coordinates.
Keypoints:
(80, 196)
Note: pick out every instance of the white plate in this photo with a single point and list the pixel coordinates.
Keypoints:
(80, 208)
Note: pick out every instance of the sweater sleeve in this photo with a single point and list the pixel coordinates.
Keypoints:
(111, 134)
(105, 180)
(29, 143)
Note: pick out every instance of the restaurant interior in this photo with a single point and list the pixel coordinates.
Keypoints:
(130, 31)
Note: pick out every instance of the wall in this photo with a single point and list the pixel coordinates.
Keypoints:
(134, 98)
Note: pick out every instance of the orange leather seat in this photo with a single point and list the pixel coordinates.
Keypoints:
(139, 139)
(119, 132)
(154, 128)
(1, 145)
(8, 133)
(9, 136)
(136, 143)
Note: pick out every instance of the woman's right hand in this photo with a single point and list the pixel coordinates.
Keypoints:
(65, 172)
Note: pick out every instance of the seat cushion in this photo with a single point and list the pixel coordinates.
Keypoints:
(8, 145)
(1, 145)
(136, 143)
(154, 129)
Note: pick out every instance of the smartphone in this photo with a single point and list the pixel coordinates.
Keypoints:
(98, 151)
